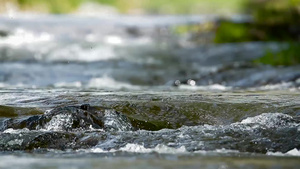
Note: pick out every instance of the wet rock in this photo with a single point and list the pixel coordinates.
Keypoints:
(52, 140)
(133, 31)
(72, 118)
(269, 132)
(70, 127)
(3, 33)
(45, 140)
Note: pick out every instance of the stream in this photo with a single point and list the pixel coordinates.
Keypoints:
(131, 92)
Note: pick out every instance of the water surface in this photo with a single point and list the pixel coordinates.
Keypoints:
(187, 103)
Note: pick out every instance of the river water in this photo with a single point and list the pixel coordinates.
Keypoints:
(168, 99)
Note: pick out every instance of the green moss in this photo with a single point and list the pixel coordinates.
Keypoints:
(278, 20)
(274, 20)
(286, 57)
(232, 32)
(6, 111)
(275, 11)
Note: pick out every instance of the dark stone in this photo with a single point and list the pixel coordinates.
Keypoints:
(67, 118)
(69, 127)
(53, 140)
(3, 33)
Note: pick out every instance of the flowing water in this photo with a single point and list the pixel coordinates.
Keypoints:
(130, 92)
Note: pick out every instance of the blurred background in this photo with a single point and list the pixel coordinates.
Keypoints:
(272, 20)
(164, 40)
(224, 74)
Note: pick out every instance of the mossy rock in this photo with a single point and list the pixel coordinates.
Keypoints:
(286, 57)
(275, 11)
(232, 32)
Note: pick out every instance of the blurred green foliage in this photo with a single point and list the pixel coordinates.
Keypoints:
(52, 6)
(122, 6)
(288, 56)
(146, 6)
(273, 20)
(273, 12)
(232, 32)
(193, 6)
(277, 20)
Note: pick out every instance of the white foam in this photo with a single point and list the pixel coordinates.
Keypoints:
(75, 52)
(293, 152)
(22, 37)
(218, 151)
(162, 149)
(59, 122)
(99, 150)
(136, 148)
(113, 40)
(280, 86)
(91, 128)
(16, 131)
(269, 119)
(108, 82)
(115, 121)
(215, 87)
(71, 84)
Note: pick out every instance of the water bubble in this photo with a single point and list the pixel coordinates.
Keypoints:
(191, 82)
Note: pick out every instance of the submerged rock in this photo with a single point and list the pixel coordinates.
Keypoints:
(264, 133)
(4, 33)
(72, 118)
(61, 128)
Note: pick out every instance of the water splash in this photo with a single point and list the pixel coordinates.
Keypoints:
(271, 120)
(22, 37)
(60, 122)
(116, 121)
(162, 149)
(110, 83)
(293, 152)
